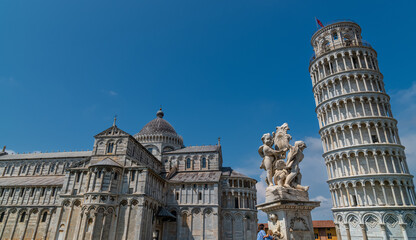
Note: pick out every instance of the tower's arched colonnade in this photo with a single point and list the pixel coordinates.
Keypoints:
(372, 190)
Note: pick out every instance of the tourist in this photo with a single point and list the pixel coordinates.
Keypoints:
(261, 233)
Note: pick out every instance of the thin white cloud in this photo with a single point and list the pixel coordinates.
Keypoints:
(324, 211)
(404, 104)
(406, 95)
(112, 93)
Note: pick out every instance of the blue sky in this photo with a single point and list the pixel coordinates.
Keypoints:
(233, 69)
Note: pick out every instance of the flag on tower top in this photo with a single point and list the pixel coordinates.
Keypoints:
(319, 22)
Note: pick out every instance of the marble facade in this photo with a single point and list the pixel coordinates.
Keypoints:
(146, 186)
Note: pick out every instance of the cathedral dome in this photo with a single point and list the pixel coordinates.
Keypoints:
(158, 126)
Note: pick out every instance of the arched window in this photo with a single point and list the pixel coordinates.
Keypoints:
(44, 216)
(90, 221)
(110, 148)
(204, 163)
(22, 217)
(335, 36)
(1, 217)
(24, 169)
(199, 196)
(188, 163)
(177, 196)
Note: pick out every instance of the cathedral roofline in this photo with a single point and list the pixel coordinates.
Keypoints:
(27, 156)
(196, 149)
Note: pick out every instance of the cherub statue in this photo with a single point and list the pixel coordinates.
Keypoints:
(277, 233)
(269, 156)
(282, 138)
(295, 156)
(280, 172)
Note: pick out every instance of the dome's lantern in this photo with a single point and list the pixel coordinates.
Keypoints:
(160, 113)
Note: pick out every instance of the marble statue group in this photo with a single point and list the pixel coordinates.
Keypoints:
(282, 173)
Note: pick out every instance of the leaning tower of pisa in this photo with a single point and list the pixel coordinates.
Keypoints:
(372, 189)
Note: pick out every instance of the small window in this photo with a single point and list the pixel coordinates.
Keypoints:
(37, 169)
(52, 168)
(188, 163)
(110, 148)
(22, 217)
(316, 236)
(44, 216)
(32, 192)
(22, 191)
(43, 192)
(177, 196)
(74, 191)
(206, 186)
(204, 163)
(99, 174)
(7, 170)
(11, 192)
(183, 185)
(150, 150)
(130, 191)
(329, 236)
(199, 196)
(115, 176)
(374, 138)
(1, 217)
(133, 175)
(194, 185)
(1, 192)
(24, 168)
(236, 202)
(78, 176)
(335, 36)
(53, 191)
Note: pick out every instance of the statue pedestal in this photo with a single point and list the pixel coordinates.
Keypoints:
(289, 213)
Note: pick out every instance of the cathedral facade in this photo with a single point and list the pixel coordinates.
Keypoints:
(146, 186)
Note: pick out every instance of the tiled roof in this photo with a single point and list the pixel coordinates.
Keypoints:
(191, 177)
(323, 224)
(106, 162)
(227, 171)
(195, 149)
(52, 155)
(32, 181)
